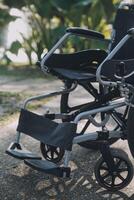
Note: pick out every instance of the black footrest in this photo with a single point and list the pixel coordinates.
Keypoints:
(48, 167)
(16, 150)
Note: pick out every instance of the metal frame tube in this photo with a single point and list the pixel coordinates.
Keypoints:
(57, 45)
(84, 115)
(44, 96)
(67, 158)
(111, 55)
(85, 137)
(17, 140)
(94, 135)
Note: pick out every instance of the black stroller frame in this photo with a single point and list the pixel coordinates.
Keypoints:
(64, 135)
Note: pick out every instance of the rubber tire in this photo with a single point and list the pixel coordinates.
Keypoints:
(118, 153)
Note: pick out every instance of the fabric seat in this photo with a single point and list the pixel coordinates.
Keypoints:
(76, 61)
(74, 75)
(80, 66)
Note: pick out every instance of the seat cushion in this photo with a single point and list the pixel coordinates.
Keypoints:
(73, 74)
(81, 60)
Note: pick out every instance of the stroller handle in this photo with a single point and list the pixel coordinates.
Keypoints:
(129, 35)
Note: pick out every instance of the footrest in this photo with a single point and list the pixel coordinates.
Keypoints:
(16, 150)
(48, 167)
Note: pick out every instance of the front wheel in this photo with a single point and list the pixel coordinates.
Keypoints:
(117, 178)
(51, 153)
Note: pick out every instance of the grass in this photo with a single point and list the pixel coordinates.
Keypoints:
(9, 106)
(10, 103)
(8, 118)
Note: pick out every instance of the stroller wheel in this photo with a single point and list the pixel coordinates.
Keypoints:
(119, 177)
(51, 153)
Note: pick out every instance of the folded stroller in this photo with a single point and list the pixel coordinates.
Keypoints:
(114, 72)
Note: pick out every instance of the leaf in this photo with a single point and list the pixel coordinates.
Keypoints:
(6, 59)
(15, 47)
(14, 3)
(44, 8)
(109, 8)
(83, 3)
(5, 16)
(62, 5)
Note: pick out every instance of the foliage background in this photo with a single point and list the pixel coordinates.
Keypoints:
(47, 21)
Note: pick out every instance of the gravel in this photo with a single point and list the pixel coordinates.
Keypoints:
(19, 182)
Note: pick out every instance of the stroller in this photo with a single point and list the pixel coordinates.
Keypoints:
(115, 74)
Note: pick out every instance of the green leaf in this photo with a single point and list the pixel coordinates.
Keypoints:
(14, 3)
(83, 3)
(5, 16)
(15, 47)
(108, 8)
(62, 5)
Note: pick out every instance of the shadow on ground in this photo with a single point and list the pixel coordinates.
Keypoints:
(20, 182)
(34, 185)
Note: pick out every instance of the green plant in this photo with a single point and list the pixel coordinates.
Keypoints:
(49, 19)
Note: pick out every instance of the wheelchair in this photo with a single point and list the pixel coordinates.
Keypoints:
(81, 67)
(115, 76)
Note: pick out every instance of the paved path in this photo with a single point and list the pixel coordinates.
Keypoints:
(13, 84)
(19, 182)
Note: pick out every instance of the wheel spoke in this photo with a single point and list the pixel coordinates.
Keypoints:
(118, 164)
(52, 153)
(120, 177)
(104, 168)
(122, 170)
(105, 176)
(56, 152)
(113, 181)
(48, 147)
(47, 151)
